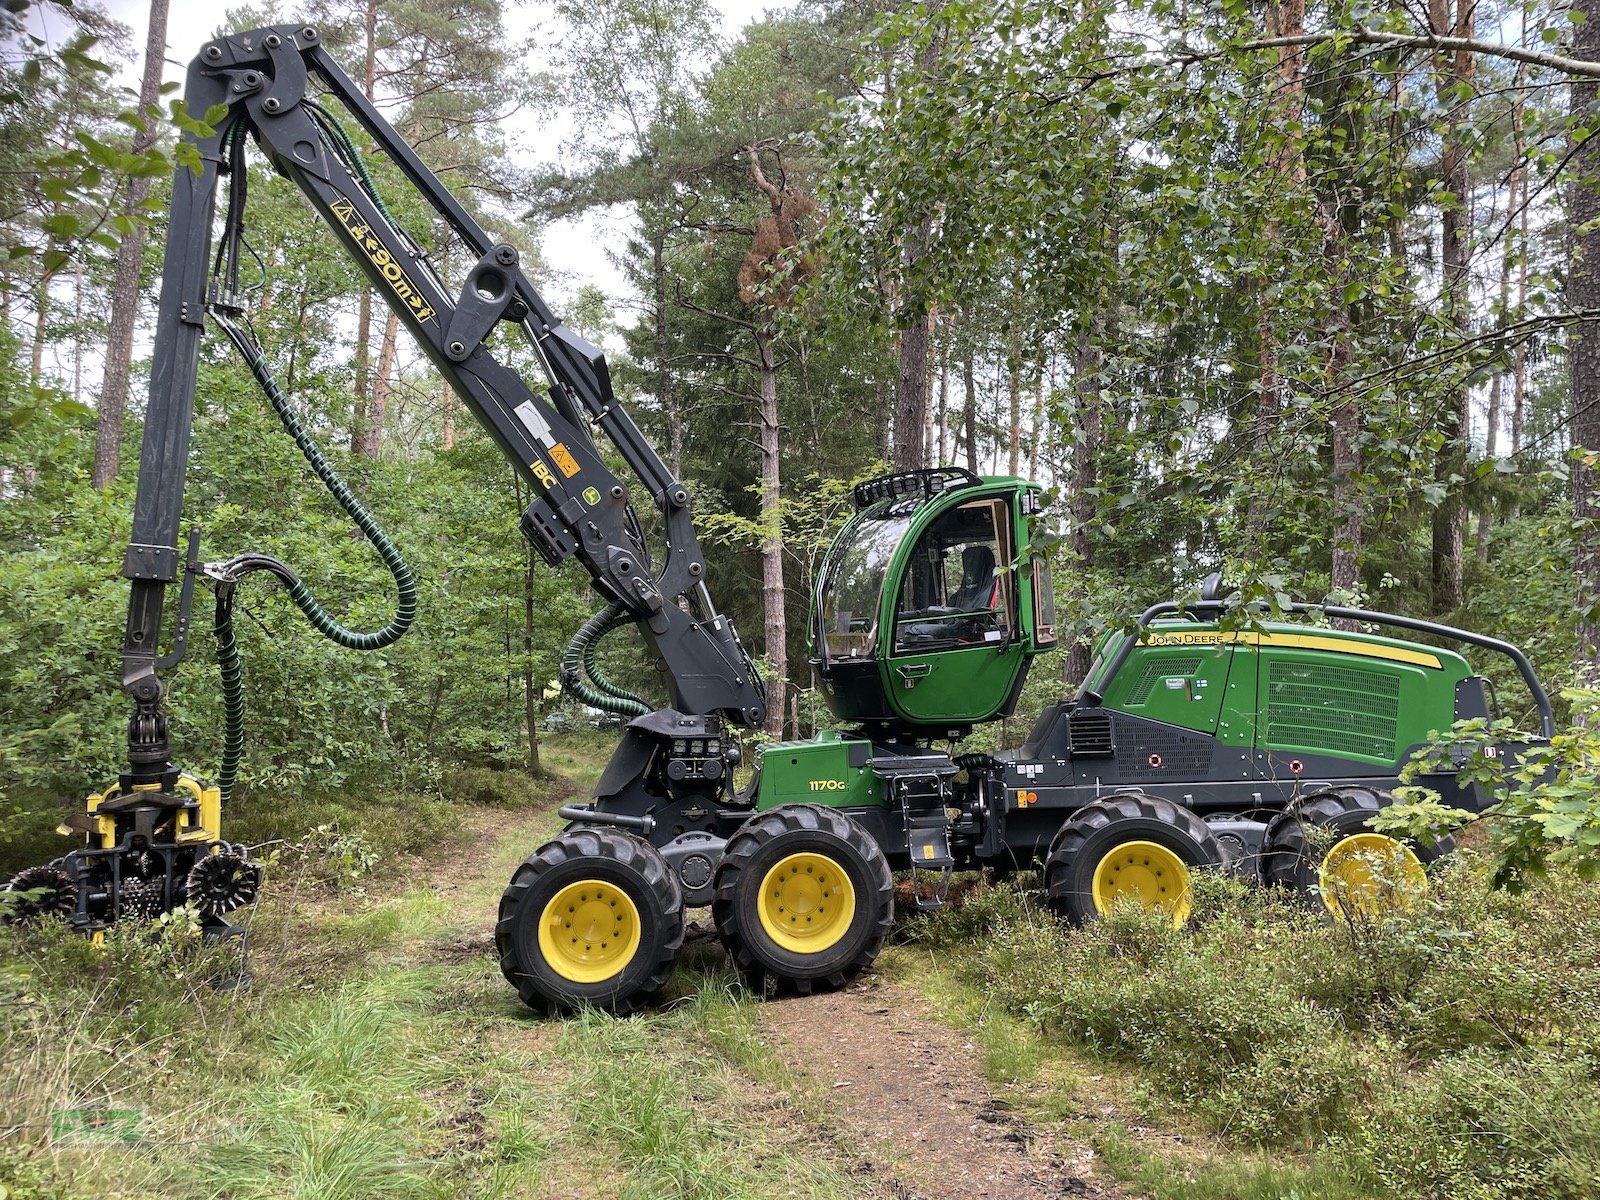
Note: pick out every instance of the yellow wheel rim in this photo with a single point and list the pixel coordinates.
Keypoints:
(1370, 873)
(1146, 872)
(589, 931)
(807, 903)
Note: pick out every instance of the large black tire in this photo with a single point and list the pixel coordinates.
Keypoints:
(1299, 838)
(804, 899)
(614, 945)
(1093, 834)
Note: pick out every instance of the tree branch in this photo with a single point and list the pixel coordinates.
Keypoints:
(1425, 41)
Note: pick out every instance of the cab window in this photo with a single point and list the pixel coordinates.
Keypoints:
(959, 589)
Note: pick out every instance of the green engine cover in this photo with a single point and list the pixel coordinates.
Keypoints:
(1292, 688)
(832, 770)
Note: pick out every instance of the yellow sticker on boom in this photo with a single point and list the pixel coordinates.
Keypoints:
(562, 457)
(393, 273)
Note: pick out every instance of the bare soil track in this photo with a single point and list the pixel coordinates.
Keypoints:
(909, 1098)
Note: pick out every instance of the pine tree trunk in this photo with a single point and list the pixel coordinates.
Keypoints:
(911, 395)
(772, 595)
(939, 454)
(1284, 19)
(1086, 385)
(1491, 452)
(124, 301)
(382, 383)
(1014, 396)
(447, 419)
(1583, 295)
(913, 347)
(666, 395)
(41, 319)
(1036, 428)
(363, 357)
(969, 411)
(1519, 198)
(1449, 519)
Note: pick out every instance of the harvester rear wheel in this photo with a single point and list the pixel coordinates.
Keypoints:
(1127, 847)
(594, 917)
(1323, 850)
(804, 898)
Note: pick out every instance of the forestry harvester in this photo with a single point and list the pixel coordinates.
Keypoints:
(1197, 741)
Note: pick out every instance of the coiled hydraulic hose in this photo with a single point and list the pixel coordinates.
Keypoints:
(580, 669)
(231, 572)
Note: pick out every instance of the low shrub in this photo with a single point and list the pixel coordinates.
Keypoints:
(1447, 1049)
(495, 789)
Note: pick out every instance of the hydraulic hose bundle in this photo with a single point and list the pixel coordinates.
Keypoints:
(580, 667)
(230, 574)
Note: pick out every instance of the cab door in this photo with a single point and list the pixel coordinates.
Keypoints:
(955, 651)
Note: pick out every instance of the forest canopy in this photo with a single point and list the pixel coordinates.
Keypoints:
(1301, 294)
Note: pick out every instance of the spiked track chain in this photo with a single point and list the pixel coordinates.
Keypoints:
(760, 845)
(1291, 858)
(610, 857)
(1095, 829)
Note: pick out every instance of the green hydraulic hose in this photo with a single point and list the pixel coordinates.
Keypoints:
(227, 647)
(579, 661)
(232, 693)
(405, 582)
(330, 125)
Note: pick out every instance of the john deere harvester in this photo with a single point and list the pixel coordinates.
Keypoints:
(1198, 741)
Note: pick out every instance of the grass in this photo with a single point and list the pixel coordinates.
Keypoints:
(379, 1053)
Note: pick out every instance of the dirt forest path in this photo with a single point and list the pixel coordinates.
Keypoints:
(907, 1096)
(867, 1078)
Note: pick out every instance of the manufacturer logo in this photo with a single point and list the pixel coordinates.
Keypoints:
(592, 495)
(393, 273)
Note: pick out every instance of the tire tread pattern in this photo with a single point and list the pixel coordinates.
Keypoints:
(582, 843)
(1099, 815)
(759, 831)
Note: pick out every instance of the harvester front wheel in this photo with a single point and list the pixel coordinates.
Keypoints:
(594, 917)
(804, 898)
(1323, 850)
(1127, 847)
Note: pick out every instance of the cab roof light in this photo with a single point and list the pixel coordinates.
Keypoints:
(919, 485)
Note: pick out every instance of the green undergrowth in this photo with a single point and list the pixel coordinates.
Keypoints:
(380, 1054)
(1449, 1050)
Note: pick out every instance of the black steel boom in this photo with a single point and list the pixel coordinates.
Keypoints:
(263, 80)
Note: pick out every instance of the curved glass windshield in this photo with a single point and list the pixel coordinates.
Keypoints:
(853, 587)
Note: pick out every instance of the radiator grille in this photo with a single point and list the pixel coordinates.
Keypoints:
(1161, 750)
(1348, 710)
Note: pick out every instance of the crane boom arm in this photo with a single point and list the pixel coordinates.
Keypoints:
(263, 80)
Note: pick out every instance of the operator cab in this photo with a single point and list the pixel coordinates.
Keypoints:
(928, 610)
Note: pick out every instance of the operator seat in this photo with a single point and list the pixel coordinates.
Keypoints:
(976, 592)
